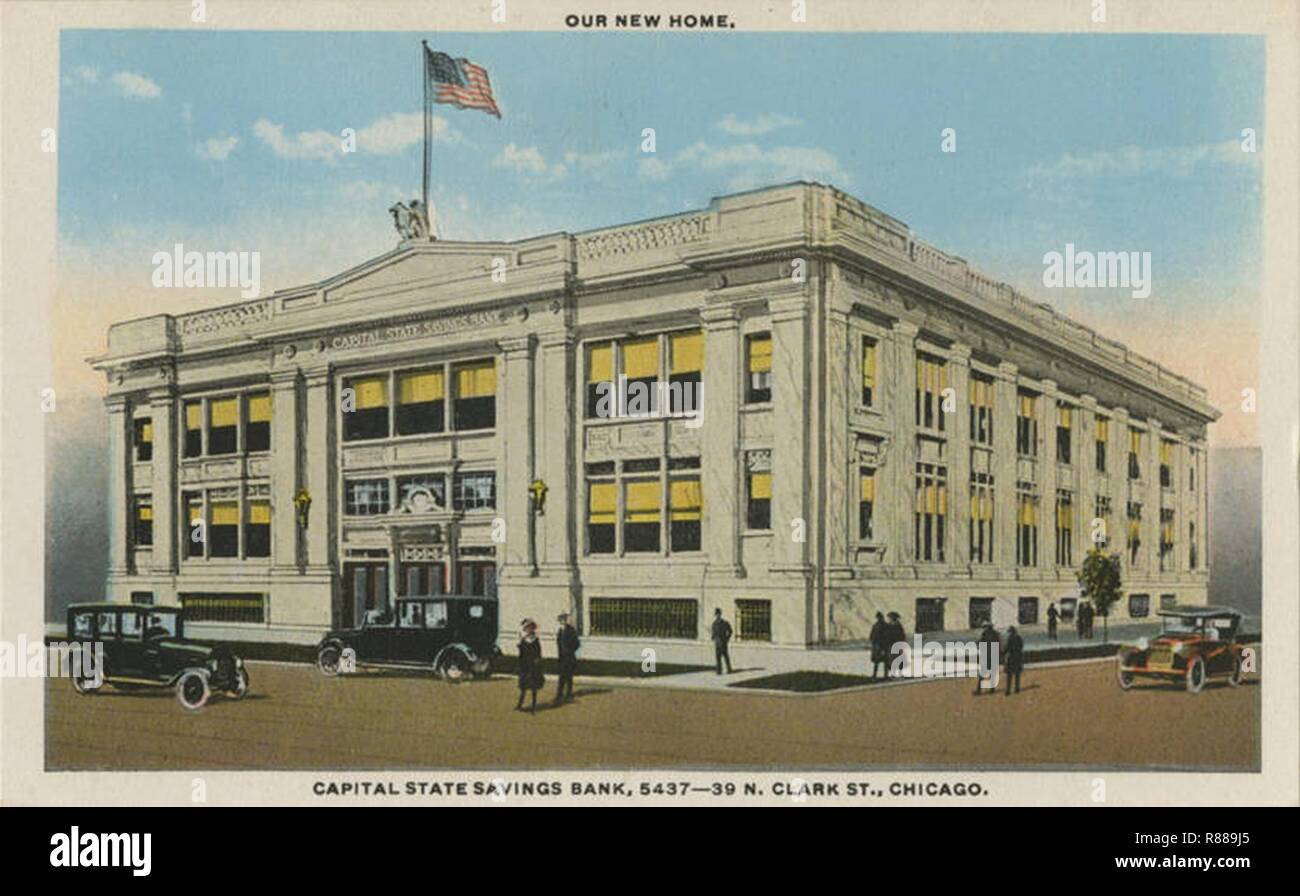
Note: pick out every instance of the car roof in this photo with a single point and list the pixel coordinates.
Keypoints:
(1201, 612)
(110, 605)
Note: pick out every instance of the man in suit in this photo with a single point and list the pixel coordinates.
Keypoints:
(721, 633)
(1052, 616)
(989, 642)
(566, 644)
(1013, 658)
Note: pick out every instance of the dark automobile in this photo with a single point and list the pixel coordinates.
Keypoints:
(453, 635)
(146, 647)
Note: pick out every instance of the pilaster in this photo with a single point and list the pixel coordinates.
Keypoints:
(720, 475)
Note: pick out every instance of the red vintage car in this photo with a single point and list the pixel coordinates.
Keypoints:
(1194, 645)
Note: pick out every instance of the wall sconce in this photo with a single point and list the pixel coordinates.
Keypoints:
(302, 503)
(537, 491)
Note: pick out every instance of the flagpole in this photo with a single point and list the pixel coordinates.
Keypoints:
(428, 124)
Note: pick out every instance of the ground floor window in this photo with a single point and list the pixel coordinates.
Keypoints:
(143, 598)
(1139, 605)
(641, 617)
(1027, 611)
(929, 614)
(477, 577)
(1168, 601)
(931, 515)
(754, 620)
(981, 612)
(224, 607)
(1068, 606)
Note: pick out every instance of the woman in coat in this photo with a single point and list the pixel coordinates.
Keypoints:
(530, 664)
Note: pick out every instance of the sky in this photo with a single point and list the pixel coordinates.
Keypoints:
(228, 141)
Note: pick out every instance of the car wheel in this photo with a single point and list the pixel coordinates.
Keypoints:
(1195, 676)
(1125, 677)
(483, 667)
(328, 660)
(454, 666)
(83, 685)
(192, 689)
(1238, 674)
(240, 688)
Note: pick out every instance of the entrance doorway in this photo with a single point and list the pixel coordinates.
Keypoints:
(365, 588)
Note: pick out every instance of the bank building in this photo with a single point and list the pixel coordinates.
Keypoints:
(841, 419)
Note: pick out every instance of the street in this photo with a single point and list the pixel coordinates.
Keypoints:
(294, 718)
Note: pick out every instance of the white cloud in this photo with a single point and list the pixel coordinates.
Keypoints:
(371, 191)
(752, 165)
(528, 162)
(588, 162)
(392, 134)
(760, 125)
(216, 149)
(1131, 161)
(652, 168)
(136, 86)
(82, 74)
(302, 145)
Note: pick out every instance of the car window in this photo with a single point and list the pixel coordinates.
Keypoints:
(132, 623)
(412, 615)
(164, 621)
(475, 611)
(107, 624)
(81, 625)
(435, 614)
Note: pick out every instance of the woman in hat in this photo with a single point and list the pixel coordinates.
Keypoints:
(530, 664)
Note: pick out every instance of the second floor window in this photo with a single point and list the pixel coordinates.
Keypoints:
(981, 518)
(931, 381)
(257, 432)
(257, 529)
(685, 503)
(1064, 528)
(758, 385)
(365, 497)
(143, 522)
(866, 503)
(869, 384)
(685, 363)
(1027, 425)
(365, 408)
(1103, 437)
(1027, 530)
(421, 401)
(193, 446)
(758, 511)
(1101, 511)
(142, 436)
(1166, 463)
(223, 425)
(476, 391)
(1134, 543)
(1134, 454)
(1166, 538)
(931, 516)
(1063, 420)
(981, 410)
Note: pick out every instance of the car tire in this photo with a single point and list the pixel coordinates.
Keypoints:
(329, 660)
(240, 690)
(83, 686)
(1195, 675)
(1124, 677)
(192, 689)
(483, 667)
(454, 666)
(1238, 674)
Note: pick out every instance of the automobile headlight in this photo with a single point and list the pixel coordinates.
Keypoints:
(1143, 644)
(239, 664)
(212, 664)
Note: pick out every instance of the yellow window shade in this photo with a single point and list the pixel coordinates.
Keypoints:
(760, 354)
(1166, 452)
(259, 513)
(371, 392)
(478, 380)
(224, 513)
(760, 486)
(1134, 529)
(1135, 441)
(685, 499)
(867, 486)
(193, 415)
(223, 412)
(420, 387)
(1063, 416)
(600, 363)
(941, 375)
(146, 431)
(641, 358)
(981, 506)
(1027, 408)
(144, 512)
(943, 499)
(195, 513)
(259, 408)
(981, 394)
(869, 364)
(643, 502)
(920, 374)
(1103, 429)
(1028, 512)
(687, 352)
(1064, 518)
(602, 498)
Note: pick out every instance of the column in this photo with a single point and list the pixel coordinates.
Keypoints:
(901, 501)
(319, 459)
(721, 479)
(119, 485)
(1151, 483)
(1085, 458)
(1047, 476)
(556, 444)
(790, 433)
(843, 357)
(1005, 466)
(1178, 476)
(1122, 488)
(162, 412)
(515, 453)
(958, 430)
(1202, 509)
(286, 458)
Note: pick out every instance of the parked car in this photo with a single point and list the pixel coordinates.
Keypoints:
(1194, 644)
(145, 646)
(452, 635)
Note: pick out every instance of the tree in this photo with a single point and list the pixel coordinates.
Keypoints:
(1099, 580)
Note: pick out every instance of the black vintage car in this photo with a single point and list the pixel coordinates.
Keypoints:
(146, 647)
(454, 636)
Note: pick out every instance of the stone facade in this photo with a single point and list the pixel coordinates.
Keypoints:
(830, 473)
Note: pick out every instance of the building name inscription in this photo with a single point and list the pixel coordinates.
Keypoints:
(402, 332)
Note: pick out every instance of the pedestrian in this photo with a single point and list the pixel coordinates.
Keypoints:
(988, 665)
(1087, 620)
(895, 635)
(879, 646)
(1052, 616)
(566, 647)
(1013, 658)
(530, 664)
(721, 633)
(1081, 619)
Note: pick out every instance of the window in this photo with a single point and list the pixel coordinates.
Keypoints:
(223, 425)
(224, 607)
(684, 504)
(1166, 463)
(107, 624)
(754, 620)
(193, 428)
(1063, 415)
(1064, 528)
(981, 410)
(142, 598)
(257, 435)
(931, 380)
(477, 577)
(641, 516)
(758, 350)
(981, 518)
(602, 517)
(869, 381)
(866, 503)
(474, 491)
(223, 529)
(476, 391)
(411, 615)
(1101, 511)
(257, 529)
(1168, 601)
(1027, 528)
(980, 612)
(639, 617)
(600, 379)
(929, 614)
(194, 532)
(1166, 538)
(420, 402)
(1191, 469)
(1134, 513)
(435, 614)
(640, 368)
(1139, 605)
(422, 492)
(365, 408)
(1027, 611)
(686, 361)
(1027, 425)
(931, 511)
(142, 437)
(758, 514)
(1134, 453)
(1103, 436)
(1191, 545)
(143, 521)
(365, 497)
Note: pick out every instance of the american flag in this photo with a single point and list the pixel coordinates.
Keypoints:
(459, 82)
